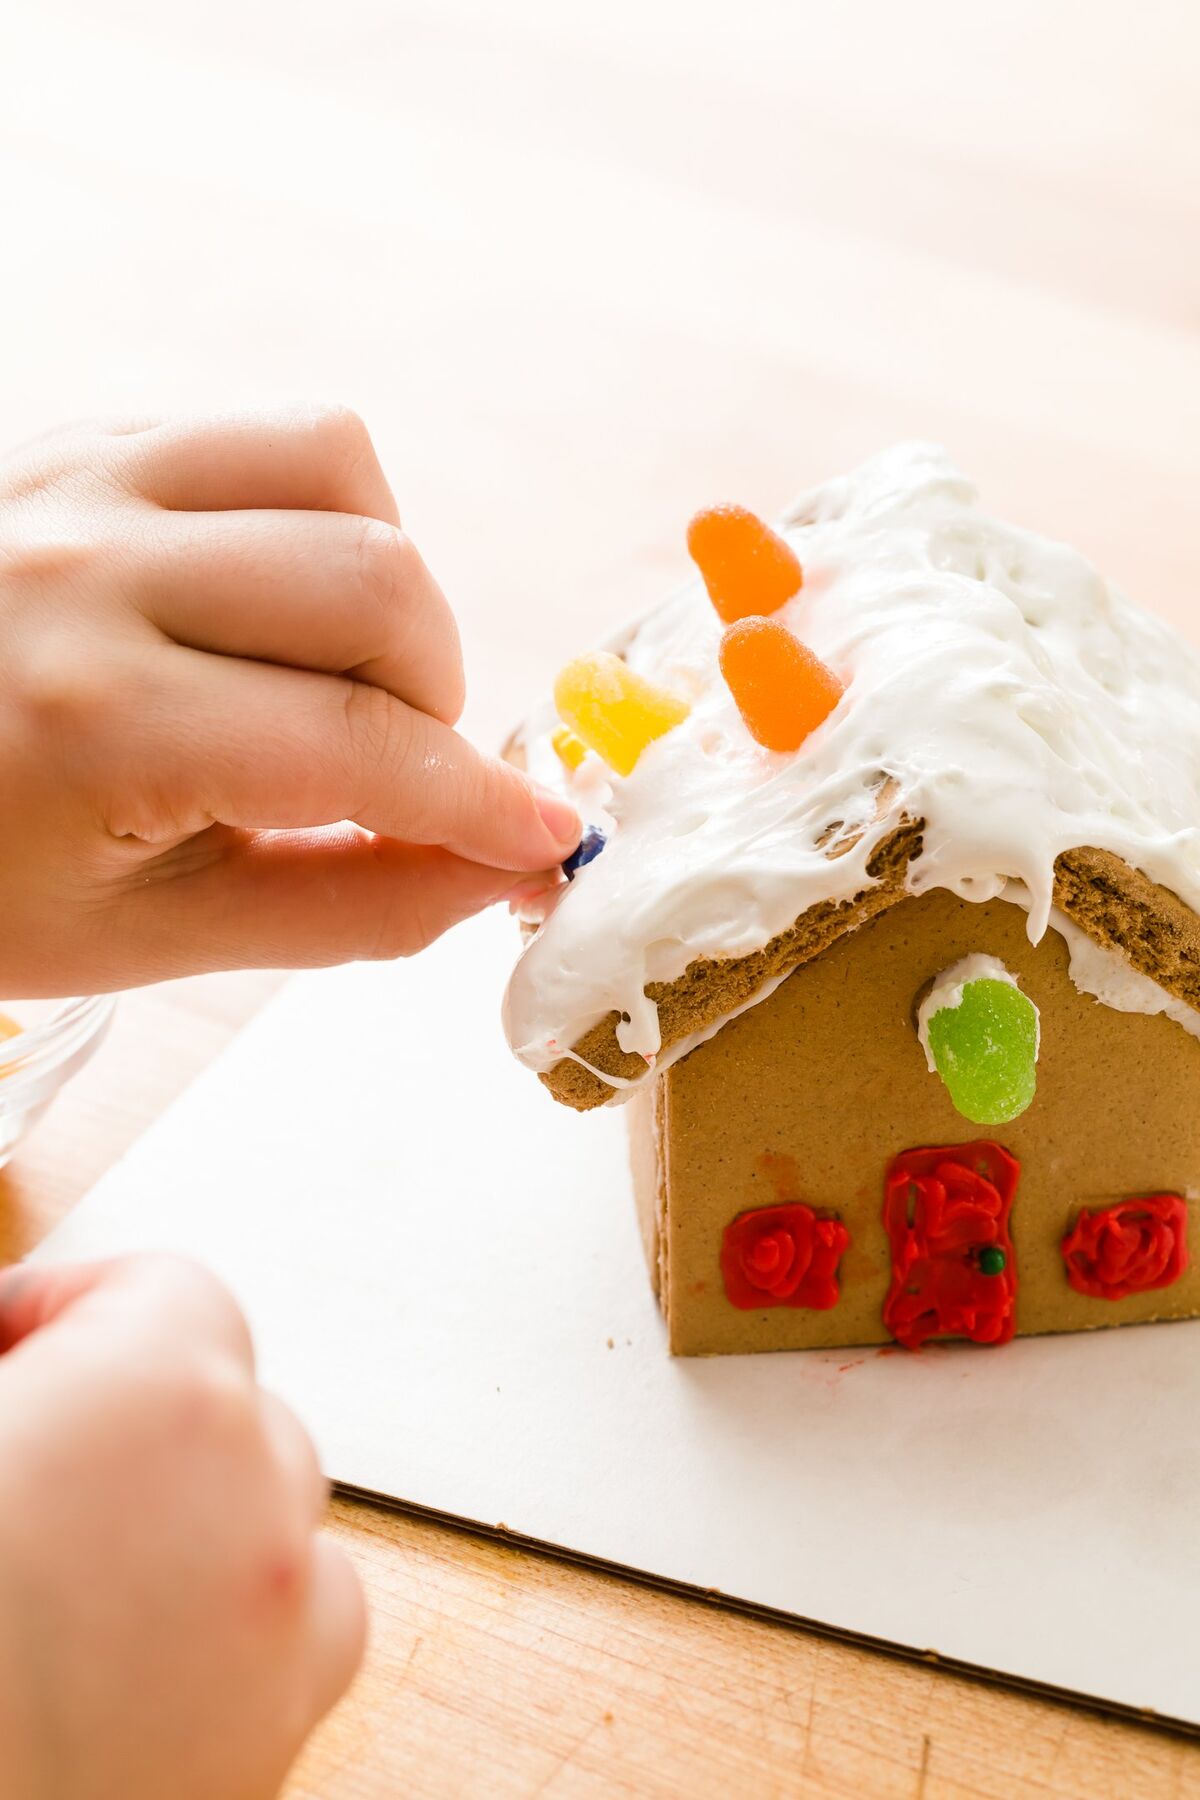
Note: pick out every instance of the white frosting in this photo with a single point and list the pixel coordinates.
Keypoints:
(947, 992)
(1107, 977)
(1009, 696)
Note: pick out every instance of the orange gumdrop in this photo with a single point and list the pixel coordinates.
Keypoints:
(747, 567)
(782, 689)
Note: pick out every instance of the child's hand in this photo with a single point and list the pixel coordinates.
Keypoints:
(172, 1621)
(214, 641)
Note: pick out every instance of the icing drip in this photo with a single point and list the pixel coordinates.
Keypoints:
(1107, 977)
(1001, 689)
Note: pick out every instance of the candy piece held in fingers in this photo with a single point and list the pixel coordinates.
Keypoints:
(747, 568)
(615, 712)
(782, 690)
(590, 846)
(569, 750)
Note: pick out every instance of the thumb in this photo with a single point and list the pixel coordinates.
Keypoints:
(304, 900)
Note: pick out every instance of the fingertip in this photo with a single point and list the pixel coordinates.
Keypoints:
(338, 1624)
(562, 822)
(532, 902)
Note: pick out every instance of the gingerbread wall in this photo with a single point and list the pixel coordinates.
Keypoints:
(810, 1095)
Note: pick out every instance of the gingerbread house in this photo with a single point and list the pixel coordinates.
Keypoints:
(886, 928)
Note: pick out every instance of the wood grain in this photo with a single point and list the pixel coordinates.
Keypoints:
(583, 269)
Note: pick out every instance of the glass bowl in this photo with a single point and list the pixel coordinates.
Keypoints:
(56, 1037)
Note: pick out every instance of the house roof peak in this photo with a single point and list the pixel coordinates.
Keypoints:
(996, 689)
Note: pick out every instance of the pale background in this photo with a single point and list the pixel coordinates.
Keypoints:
(583, 268)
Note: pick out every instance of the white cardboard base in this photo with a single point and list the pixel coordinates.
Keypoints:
(443, 1274)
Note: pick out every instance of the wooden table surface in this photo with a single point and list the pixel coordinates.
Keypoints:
(583, 268)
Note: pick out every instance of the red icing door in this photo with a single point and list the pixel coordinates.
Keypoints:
(946, 1212)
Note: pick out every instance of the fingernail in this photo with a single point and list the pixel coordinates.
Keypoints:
(532, 888)
(558, 816)
(534, 899)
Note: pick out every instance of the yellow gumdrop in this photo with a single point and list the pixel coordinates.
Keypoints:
(568, 747)
(614, 711)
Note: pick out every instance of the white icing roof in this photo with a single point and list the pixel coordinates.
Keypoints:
(1019, 705)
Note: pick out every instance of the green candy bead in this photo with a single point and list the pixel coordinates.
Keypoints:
(992, 1261)
(985, 1049)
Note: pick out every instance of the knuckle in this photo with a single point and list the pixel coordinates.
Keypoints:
(62, 685)
(47, 561)
(200, 1280)
(342, 426)
(381, 728)
(403, 930)
(119, 425)
(216, 1401)
(350, 452)
(380, 562)
(405, 616)
(191, 1281)
(407, 563)
(500, 791)
(66, 476)
(46, 465)
(60, 531)
(456, 694)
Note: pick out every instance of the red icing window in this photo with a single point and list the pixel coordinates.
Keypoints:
(782, 1256)
(1127, 1248)
(953, 1271)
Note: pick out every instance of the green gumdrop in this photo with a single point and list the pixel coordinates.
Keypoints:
(985, 1049)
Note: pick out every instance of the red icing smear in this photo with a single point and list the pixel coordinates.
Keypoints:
(942, 1207)
(782, 1256)
(783, 1173)
(1127, 1248)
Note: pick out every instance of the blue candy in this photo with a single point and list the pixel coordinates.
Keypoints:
(590, 846)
